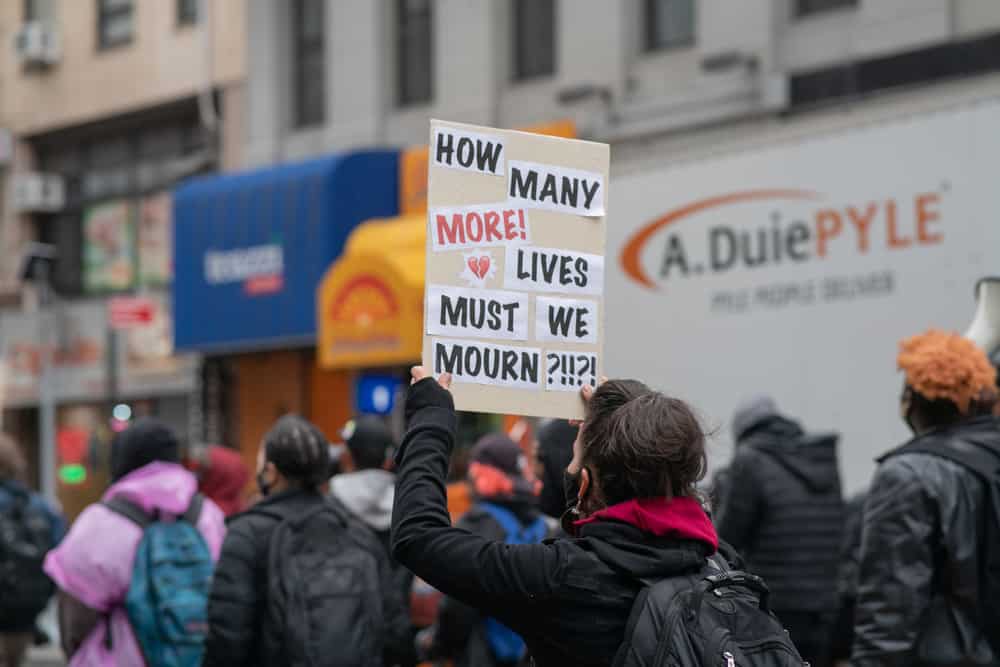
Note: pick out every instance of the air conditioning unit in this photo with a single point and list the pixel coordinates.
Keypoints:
(34, 192)
(37, 44)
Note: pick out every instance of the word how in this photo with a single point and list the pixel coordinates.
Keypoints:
(556, 188)
(470, 151)
(477, 313)
(566, 371)
(567, 320)
(486, 363)
(553, 270)
(490, 225)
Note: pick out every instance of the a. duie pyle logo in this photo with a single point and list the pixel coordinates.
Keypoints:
(771, 227)
(260, 268)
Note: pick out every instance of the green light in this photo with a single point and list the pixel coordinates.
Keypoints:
(72, 473)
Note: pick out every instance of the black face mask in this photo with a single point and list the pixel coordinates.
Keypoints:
(262, 484)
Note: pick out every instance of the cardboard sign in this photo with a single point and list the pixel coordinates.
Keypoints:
(515, 268)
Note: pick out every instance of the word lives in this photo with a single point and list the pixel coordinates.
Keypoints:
(479, 313)
(556, 188)
(477, 226)
(553, 270)
(566, 371)
(471, 151)
(487, 363)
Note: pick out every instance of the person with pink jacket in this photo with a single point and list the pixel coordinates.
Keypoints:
(92, 566)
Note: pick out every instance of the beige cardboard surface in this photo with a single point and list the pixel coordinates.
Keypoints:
(456, 186)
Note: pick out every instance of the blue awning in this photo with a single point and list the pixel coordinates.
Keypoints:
(250, 248)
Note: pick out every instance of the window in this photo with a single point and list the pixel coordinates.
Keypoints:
(534, 23)
(414, 52)
(39, 10)
(669, 23)
(114, 23)
(309, 62)
(187, 12)
(807, 7)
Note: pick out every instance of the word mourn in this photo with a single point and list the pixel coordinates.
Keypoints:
(569, 320)
(476, 313)
(556, 188)
(566, 371)
(486, 363)
(460, 149)
(477, 226)
(553, 270)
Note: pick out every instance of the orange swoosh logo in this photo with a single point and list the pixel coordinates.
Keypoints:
(630, 254)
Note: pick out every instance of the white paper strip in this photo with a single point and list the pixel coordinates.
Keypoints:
(479, 313)
(555, 188)
(567, 320)
(553, 270)
(569, 371)
(486, 363)
(469, 151)
(478, 226)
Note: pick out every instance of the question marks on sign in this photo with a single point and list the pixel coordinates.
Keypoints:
(566, 371)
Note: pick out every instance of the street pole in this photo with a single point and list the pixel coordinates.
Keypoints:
(46, 388)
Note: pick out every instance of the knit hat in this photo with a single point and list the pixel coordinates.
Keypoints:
(145, 441)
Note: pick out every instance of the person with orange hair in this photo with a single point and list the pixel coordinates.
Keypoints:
(924, 585)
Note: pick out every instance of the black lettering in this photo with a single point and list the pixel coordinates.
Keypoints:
(454, 313)
(549, 189)
(473, 361)
(588, 193)
(523, 186)
(674, 254)
(492, 356)
(488, 156)
(446, 148)
(477, 313)
(581, 323)
(548, 267)
(751, 258)
(510, 308)
(582, 272)
(509, 365)
(565, 263)
(529, 367)
(521, 273)
(570, 191)
(465, 152)
(493, 310)
(798, 234)
(559, 321)
(445, 362)
(724, 235)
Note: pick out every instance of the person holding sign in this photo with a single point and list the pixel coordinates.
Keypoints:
(636, 516)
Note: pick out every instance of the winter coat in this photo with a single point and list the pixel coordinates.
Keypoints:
(93, 563)
(239, 632)
(918, 586)
(783, 511)
(570, 598)
(368, 495)
(9, 490)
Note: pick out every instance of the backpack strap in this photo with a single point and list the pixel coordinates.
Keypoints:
(978, 458)
(633, 619)
(511, 526)
(129, 510)
(193, 512)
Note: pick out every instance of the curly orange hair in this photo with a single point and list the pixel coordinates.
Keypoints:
(941, 365)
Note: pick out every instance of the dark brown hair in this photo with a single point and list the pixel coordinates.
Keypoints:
(641, 443)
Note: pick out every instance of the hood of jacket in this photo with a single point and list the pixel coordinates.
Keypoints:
(810, 458)
(224, 478)
(159, 485)
(367, 494)
(651, 537)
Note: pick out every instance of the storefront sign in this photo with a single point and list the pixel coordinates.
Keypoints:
(156, 240)
(109, 256)
(515, 268)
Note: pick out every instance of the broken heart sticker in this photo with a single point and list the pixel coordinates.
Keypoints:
(477, 267)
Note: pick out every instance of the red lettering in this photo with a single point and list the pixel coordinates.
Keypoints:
(509, 230)
(925, 215)
(861, 222)
(455, 233)
(895, 240)
(828, 226)
(475, 233)
(492, 221)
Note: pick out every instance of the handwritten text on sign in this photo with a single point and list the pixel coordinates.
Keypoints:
(555, 188)
(553, 270)
(478, 226)
(454, 311)
(471, 151)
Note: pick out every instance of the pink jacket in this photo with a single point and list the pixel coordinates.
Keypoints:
(94, 561)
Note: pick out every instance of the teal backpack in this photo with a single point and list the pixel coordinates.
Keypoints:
(506, 645)
(167, 599)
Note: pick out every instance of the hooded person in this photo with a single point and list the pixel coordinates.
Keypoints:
(782, 509)
(636, 461)
(92, 566)
(505, 509)
(223, 477)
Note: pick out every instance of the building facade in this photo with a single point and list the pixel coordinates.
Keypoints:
(108, 104)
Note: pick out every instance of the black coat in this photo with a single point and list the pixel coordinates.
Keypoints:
(918, 586)
(569, 599)
(239, 634)
(783, 511)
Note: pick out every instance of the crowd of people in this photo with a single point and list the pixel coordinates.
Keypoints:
(607, 549)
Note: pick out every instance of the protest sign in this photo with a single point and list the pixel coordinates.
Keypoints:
(515, 268)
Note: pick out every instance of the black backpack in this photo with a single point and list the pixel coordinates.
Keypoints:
(324, 594)
(713, 618)
(983, 460)
(25, 538)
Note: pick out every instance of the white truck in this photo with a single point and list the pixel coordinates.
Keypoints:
(794, 265)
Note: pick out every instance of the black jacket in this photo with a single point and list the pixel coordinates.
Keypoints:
(783, 511)
(569, 599)
(238, 632)
(918, 584)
